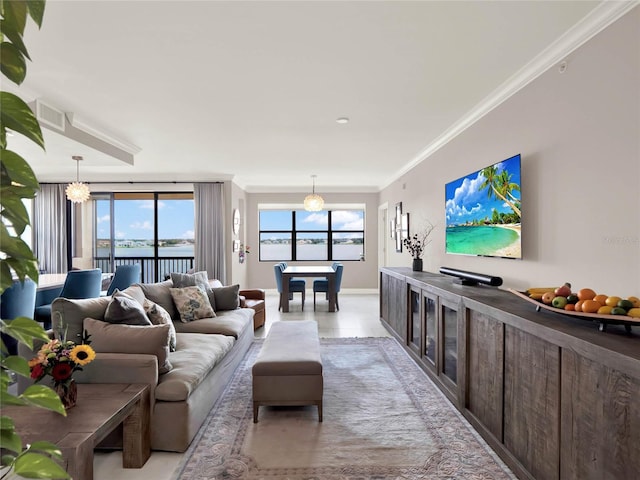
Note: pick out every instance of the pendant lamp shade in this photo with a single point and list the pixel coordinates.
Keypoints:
(77, 192)
(313, 202)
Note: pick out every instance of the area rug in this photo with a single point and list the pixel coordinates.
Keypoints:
(383, 419)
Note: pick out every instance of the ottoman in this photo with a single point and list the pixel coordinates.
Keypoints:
(288, 370)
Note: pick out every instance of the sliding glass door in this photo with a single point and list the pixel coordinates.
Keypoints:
(153, 229)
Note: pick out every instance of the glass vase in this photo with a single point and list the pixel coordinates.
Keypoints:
(68, 393)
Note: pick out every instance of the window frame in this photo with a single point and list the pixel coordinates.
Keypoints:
(328, 231)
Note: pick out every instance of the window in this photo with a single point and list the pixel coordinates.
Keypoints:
(291, 235)
(153, 229)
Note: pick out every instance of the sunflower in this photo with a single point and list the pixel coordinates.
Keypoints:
(82, 354)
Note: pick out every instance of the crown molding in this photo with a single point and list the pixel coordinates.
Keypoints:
(593, 23)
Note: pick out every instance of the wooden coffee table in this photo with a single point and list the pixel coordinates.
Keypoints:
(99, 410)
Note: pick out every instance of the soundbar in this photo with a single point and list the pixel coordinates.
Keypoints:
(471, 278)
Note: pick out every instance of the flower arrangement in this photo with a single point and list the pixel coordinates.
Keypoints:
(60, 359)
(416, 244)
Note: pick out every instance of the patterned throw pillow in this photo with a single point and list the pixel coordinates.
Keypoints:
(192, 303)
(159, 316)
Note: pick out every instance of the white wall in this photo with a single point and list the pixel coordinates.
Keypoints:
(579, 136)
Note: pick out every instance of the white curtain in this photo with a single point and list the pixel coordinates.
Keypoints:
(50, 228)
(209, 228)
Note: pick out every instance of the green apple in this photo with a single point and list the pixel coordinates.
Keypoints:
(559, 302)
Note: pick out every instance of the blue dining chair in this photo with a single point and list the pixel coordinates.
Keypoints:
(125, 276)
(321, 285)
(78, 284)
(295, 285)
(18, 300)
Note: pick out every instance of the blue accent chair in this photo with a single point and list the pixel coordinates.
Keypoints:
(295, 285)
(322, 284)
(19, 300)
(125, 276)
(78, 284)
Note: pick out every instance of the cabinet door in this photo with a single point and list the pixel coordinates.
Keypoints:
(449, 343)
(532, 402)
(600, 424)
(430, 339)
(415, 320)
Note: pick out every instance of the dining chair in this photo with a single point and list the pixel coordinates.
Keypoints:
(125, 276)
(18, 300)
(295, 285)
(78, 284)
(322, 284)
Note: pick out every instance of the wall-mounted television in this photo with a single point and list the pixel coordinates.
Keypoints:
(483, 212)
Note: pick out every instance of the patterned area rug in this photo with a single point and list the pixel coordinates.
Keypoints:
(383, 419)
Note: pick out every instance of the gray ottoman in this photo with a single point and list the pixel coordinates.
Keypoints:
(288, 370)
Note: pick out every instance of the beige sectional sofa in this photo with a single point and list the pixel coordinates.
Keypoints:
(207, 352)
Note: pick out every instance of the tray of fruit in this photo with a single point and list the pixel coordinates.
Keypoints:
(585, 303)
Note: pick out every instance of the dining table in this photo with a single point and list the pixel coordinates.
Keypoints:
(291, 271)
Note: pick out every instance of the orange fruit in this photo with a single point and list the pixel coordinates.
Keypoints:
(612, 301)
(570, 307)
(635, 301)
(578, 306)
(590, 306)
(601, 298)
(586, 294)
(605, 310)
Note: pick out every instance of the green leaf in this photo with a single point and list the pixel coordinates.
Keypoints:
(13, 209)
(43, 446)
(19, 170)
(15, 14)
(9, 439)
(36, 11)
(25, 330)
(14, 37)
(17, 364)
(35, 465)
(5, 276)
(16, 115)
(43, 397)
(12, 63)
(7, 399)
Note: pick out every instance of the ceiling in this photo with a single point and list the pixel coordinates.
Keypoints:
(251, 91)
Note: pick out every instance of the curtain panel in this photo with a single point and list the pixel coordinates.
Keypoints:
(50, 228)
(209, 229)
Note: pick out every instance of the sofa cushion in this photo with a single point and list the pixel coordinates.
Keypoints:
(190, 279)
(226, 298)
(160, 293)
(134, 291)
(115, 338)
(159, 316)
(230, 322)
(74, 312)
(192, 303)
(125, 309)
(192, 361)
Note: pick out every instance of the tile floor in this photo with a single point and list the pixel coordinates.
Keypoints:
(358, 317)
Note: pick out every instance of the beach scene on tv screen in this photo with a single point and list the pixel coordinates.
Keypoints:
(483, 212)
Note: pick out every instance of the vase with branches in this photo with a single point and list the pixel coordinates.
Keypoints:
(417, 243)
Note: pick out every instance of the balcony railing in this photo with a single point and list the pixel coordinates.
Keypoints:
(153, 269)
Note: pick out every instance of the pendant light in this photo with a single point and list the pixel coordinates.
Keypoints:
(313, 202)
(77, 192)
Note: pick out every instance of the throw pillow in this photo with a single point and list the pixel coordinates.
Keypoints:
(125, 309)
(192, 303)
(159, 316)
(113, 338)
(181, 280)
(227, 298)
